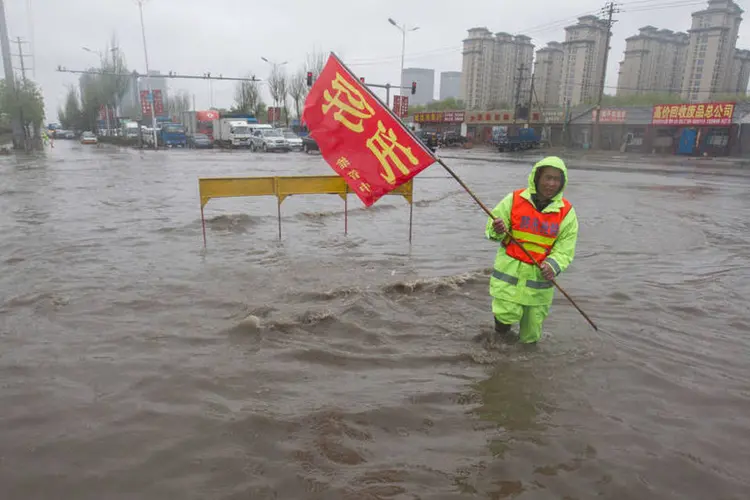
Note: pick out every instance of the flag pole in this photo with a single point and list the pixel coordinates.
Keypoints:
(471, 193)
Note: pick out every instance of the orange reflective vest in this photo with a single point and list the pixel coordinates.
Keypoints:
(535, 230)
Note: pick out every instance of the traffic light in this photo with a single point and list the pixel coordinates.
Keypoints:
(413, 88)
(309, 78)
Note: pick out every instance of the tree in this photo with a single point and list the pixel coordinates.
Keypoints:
(247, 97)
(315, 61)
(298, 90)
(645, 99)
(70, 116)
(277, 85)
(178, 103)
(25, 102)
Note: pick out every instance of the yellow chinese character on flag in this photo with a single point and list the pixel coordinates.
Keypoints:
(700, 111)
(365, 187)
(683, 111)
(353, 174)
(728, 110)
(348, 101)
(709, 111)
(674, 112)
(384, 145)
(343, 162)
(690, 111)
(657, 112)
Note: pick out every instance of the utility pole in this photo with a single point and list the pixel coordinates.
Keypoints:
(519, 80)
(10, 81)
(531, 96)
(609, 9)
(26, 134)
(148, 76)
(20, 56)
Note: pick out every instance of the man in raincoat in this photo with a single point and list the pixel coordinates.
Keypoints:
(546, 225)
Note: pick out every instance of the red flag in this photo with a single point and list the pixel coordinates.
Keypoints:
(359, 137)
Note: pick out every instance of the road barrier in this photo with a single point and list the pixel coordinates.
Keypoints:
(283, 187)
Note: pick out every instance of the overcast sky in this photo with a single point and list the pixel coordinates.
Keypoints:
(230, 36)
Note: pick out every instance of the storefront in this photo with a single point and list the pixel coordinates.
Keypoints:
(440, 122)
(699, 129)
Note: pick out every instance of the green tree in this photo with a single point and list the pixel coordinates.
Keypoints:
(70, 116)
(25, 102)
(646, 99)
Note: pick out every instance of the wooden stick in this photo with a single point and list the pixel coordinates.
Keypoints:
(513, 240)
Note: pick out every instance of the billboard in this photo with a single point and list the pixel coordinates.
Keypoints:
(146, 103)
(698, 114)
(401, 105)
(610, 116)
(439, 117)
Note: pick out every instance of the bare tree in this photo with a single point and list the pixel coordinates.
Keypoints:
(178, 103)
(315, 61)
(246, 97)
(298, 90)
(277, 86)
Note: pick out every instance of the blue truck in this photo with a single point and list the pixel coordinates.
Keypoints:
(515, 138)
(172, 135)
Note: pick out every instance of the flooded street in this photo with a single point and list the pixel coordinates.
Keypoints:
(136, 364)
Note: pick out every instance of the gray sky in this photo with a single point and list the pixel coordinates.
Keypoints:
(230, 36)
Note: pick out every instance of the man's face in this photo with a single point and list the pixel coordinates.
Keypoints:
(550, 180)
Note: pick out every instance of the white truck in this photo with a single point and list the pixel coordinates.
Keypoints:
(232, 132)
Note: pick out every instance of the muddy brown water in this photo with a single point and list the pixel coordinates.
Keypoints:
(134, 364)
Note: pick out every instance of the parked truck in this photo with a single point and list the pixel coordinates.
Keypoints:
(232, 132)
(172, 135)
(199, 122)
(515, 138)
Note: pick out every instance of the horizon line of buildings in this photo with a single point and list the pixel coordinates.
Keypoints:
(498, 69)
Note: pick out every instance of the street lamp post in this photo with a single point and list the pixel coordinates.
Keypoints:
(403, 30)
(148, 75)
(275, 100)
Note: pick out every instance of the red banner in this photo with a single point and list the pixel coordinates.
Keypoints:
(146, 104)
(710, 113)
(358, 137)
(401, 105)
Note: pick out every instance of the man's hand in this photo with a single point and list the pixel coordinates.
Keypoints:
(499, 226)
(547, 271)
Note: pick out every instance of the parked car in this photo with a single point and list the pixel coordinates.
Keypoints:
(309, 144)
(88, 138)
(294, 141)
(200, 141)
(268, 140)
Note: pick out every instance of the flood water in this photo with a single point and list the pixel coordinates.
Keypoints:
(136, 364)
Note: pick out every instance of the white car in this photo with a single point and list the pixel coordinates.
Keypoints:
(294, 141)
(269, 140)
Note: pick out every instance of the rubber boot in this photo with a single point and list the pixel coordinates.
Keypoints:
(501, 328)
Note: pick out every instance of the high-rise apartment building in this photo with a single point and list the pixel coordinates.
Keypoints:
(425, 79)
(548, 73)
(654, 61)
(740, 72)
(711, 54)
(583, 60)
(490, 75)
(450, 85)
